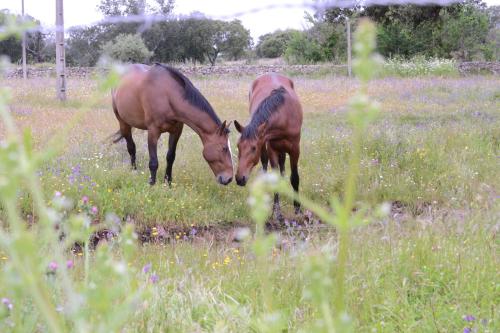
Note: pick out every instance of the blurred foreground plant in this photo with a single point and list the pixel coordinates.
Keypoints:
(325, 273)
(40, 286)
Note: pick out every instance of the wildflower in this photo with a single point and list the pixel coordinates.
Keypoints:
(53, 266)
(58, 194)
(469, 318)
(467, 330)
(154, 278)
(146, 268)
(69, 264)
(94, 210)
(7, 303)
(154, 231)
(85, 199)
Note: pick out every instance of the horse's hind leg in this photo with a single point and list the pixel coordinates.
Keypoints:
(153, 136)
(126, 132)
(172, 147)
(294, 177)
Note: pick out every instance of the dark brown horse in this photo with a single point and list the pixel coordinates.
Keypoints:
(273, 131)
(160, 99)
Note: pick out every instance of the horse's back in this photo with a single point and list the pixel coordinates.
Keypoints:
(288, 115)
(263, 86)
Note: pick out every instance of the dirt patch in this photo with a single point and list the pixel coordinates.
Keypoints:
(301, 227)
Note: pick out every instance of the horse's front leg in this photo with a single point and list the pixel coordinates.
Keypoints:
(264, 159)
(153, 136)
(274, 160)
(172, 147)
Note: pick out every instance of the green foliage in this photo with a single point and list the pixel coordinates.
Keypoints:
(461, 31)
(38, 273)
(301, 49)
(464, 32)
(273, 45)
(38, 44)
(127, 48)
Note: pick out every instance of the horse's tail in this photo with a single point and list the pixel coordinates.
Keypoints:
(116, 137)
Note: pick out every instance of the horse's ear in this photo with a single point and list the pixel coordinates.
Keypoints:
(261, 129)
(222, 128)
(238, 126)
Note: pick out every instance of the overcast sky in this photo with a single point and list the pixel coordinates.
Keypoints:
(81, 12)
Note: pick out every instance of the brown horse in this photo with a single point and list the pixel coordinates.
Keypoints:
(273, 131)
(160, 99)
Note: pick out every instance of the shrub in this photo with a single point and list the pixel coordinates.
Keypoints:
(127, 48)
(302, 50)
(418, 66)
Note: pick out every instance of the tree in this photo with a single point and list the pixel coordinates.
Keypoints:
(301, 49)
(229, 38)
(36, 42)
(273, 45)
(127, 48)
(84, 46)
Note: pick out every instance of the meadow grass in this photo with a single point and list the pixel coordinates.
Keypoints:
(434, 152)
(436, 142)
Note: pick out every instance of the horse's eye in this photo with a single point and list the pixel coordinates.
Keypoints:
(225, 149)
(254, 148)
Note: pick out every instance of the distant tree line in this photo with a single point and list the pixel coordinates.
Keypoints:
(178, 39)
(467, 30)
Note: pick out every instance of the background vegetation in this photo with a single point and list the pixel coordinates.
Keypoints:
(467, 30)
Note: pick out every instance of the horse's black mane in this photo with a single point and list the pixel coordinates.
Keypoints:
(264, 111)
(192, 94)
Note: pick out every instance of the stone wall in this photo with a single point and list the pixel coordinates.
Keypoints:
(479, 67)
(83, 72)
(465, 68)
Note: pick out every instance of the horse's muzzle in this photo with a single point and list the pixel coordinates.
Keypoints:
(224, 181)
(242, 181)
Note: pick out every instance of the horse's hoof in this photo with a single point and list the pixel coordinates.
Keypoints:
(152, 182)
(278, 216)
(298, 211)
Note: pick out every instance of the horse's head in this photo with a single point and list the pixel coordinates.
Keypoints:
(249, 151)
(217, 152)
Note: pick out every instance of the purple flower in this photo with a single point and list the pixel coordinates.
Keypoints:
(154, 278)
(85, 199)
(52, 266)
(469, 318)
(467, 330)
(7, 303)
(146, 268)
(69, 264)
(94, 210)
(58, 194)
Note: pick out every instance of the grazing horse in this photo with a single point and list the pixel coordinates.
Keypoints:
(273, 131)
(161, 99)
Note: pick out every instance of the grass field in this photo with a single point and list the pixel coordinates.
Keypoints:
(434, 153)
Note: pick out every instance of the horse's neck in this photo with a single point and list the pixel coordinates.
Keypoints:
(198, 121)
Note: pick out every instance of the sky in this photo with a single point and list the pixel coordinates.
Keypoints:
(83, 12)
